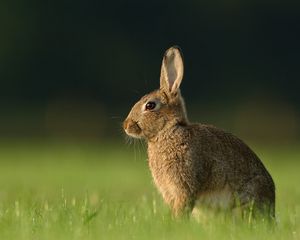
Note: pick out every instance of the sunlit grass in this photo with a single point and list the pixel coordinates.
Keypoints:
(105, 191)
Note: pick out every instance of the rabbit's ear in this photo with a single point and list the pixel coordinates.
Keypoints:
(171, 70)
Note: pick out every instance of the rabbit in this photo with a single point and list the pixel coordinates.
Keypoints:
(194, 163)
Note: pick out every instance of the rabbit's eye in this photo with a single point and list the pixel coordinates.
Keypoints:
(150, 105)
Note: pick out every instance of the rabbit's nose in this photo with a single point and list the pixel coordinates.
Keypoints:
(132, 128)
(126, 123)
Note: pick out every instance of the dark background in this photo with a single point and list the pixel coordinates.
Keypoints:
(73, 69)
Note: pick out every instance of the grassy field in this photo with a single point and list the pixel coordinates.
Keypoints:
(104, 191)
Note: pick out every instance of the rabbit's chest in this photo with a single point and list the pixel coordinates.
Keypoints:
(166, 162)
(165, 178)
(168, 172)
(163, 168)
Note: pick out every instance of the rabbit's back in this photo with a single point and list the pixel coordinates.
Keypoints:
(233, 164)
(227, 155)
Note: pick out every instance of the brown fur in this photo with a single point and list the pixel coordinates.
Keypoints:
(195, 162)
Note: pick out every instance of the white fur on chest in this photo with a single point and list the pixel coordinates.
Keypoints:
(219, 199)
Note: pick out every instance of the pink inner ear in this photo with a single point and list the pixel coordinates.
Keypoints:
(172, 70)
(172, 75)
(175, 86)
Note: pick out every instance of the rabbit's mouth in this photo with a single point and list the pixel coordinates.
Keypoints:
(132, 128)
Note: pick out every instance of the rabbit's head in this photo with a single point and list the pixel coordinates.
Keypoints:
(162, 108)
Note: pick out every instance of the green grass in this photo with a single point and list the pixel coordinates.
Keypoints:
(105, 191)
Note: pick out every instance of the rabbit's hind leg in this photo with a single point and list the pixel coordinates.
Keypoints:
(256, 197)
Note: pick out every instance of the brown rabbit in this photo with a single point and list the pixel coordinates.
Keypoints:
(195, 162)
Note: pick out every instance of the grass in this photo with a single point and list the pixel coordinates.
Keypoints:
(105, 191)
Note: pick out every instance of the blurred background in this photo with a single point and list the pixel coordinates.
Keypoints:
(73, 69)
(70, 72)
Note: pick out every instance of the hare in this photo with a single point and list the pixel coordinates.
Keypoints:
(196, 163)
